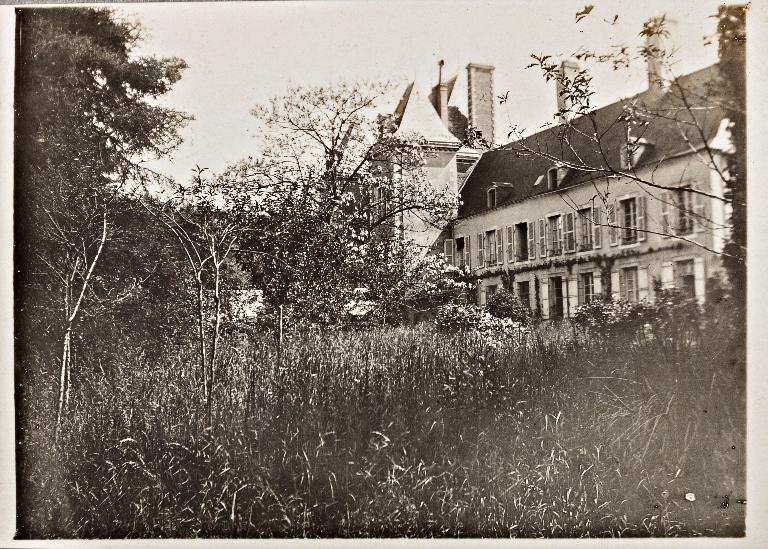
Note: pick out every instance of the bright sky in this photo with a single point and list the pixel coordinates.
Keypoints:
(240, 54)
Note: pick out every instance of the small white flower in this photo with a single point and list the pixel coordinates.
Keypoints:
(690, 496)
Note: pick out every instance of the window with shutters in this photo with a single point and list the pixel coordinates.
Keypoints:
(524, 292)
(569, 232)
(491, 249)
(685, 212)
(556, 304)
(461, 258)
(586, 288)
(521, 241)
(555, 234)
(628, 286)
(585, 230)
(628, 220)
(542, 239)
(631, 220)
(685, 278)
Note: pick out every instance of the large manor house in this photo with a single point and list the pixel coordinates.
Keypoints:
(557, 236)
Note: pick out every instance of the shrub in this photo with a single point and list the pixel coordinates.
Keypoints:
(454, 318)
(505, 304)
(613, 317)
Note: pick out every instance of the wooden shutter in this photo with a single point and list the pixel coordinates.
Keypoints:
(573, 295)
(467, 253)
(511, 244)
(613, 235)
(597, 229)
(666, 226)
(597, 284)
(544, 294)
(580, 290)
(641, 225)
(642, 283)
(480, 251)
(542, 238)
(570, 233)
(531, 240)
(615, 285)
(699, 279)
(699, 203)
(499, 246)
(667, 276)
(623, 284)
(448, 250)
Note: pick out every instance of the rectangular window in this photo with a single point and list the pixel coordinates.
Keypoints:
(628, 220)
(555, 237)
(490, 291)
(585, 229)
(491, 250)
(521, 241)
(542, 239)
(685, 279)
(586, 288)
(569, 233)
(556, 297)
(524, 293)
(628, 288)
(461, 260)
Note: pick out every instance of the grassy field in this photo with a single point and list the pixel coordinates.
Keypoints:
(396, 432)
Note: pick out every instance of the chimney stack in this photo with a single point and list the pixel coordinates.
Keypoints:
(567, 72)
(660, 47)
(480, 104)
(442, 97)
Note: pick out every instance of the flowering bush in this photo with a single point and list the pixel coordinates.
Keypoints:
(506, 305)
(454, 318)
(611, 317)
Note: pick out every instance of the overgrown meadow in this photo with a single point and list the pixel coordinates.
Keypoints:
(397, 432)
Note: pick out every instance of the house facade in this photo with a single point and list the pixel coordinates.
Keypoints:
(560, 218)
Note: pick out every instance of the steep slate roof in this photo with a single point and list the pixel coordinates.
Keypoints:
(666, 128)
(416, 114)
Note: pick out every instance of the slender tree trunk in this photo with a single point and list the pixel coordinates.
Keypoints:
(216, 322)
(201, 335)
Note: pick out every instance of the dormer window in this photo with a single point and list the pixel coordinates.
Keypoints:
(552, 178)
(491, 197)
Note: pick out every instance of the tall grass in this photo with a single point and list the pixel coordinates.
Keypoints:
(398, 432)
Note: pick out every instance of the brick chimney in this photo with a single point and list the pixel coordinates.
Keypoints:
(660, 45)
(566, 74)
(442, 94)
(480, 99)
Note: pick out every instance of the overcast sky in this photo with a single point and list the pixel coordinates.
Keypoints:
(240, 54)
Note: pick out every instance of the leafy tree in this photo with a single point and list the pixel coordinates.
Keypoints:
(585, 140)
(86, 119)
(347, 188)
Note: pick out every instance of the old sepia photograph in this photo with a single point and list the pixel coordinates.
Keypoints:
(334, 269)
